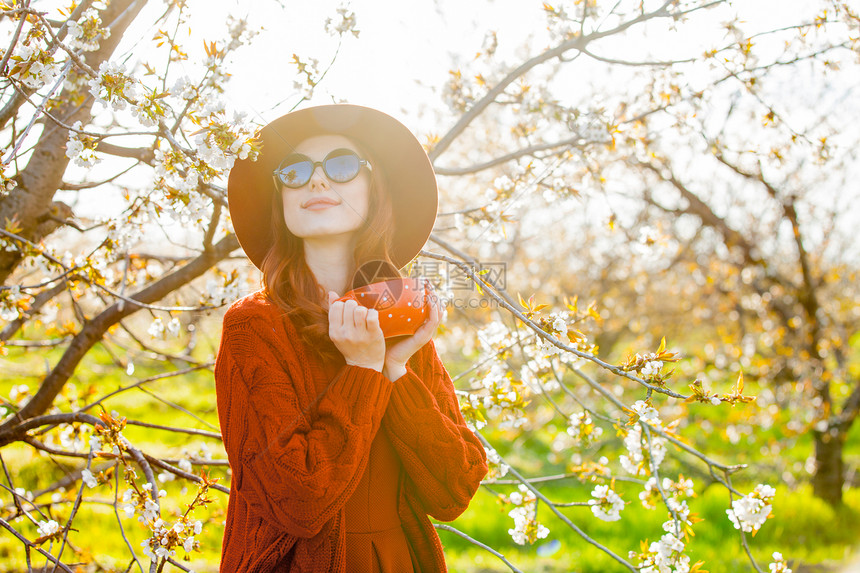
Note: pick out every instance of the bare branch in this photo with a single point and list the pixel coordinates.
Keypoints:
(93, 331)
(501, 557)
(577, 43)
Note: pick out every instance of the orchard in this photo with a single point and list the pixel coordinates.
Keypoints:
(646, 247)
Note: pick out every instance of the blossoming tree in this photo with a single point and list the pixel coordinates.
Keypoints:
(157, 141)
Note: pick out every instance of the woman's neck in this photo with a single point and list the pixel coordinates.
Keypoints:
(331, 263)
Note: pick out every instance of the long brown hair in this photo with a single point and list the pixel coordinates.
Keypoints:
(290, 283)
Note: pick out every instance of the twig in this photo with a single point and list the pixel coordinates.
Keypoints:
(119, 521)
(28, 545)
(558, 514)
(478, 543)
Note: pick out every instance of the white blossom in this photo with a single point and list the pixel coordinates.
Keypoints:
(526, 529)
(36, 67)
(89, 478)
(81, 154)
(607, 504)
(634, 461)
(49, 527)
(86, 37)
(779, 565)
(156, 329)
(751, 511)
(652, 368)
(581, 427)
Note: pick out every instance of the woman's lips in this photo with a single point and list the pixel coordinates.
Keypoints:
(320, 205)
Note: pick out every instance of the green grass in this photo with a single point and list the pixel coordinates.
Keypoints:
(803, 528)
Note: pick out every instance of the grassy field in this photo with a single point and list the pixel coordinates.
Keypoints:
(804, 529)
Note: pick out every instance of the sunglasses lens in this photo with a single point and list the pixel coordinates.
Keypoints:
(342, 168)
(295, 172)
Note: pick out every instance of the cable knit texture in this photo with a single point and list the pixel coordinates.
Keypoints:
(298, 446)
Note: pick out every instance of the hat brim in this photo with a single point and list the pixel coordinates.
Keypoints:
(408, 172)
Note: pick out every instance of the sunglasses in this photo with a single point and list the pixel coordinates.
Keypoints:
(340, 166)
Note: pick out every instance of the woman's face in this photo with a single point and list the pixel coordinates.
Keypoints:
(345, 206)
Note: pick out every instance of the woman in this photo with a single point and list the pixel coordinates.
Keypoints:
(340, 443)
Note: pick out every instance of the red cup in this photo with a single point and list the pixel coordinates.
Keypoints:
(402, 304)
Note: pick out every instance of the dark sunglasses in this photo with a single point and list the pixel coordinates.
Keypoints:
(340, 166)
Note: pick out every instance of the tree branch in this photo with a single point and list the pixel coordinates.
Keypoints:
(577, 43)
(94, 330)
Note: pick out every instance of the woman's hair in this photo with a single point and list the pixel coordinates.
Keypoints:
(289, 282)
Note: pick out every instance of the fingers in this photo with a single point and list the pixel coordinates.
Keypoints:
(359, 317)
(350, 319)
(335, 309)
(355, 331)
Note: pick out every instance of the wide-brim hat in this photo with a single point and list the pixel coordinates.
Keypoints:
(393, 149)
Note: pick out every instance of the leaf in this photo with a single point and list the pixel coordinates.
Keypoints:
(14, 225)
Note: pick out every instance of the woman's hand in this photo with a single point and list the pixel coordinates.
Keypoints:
(400, 352)
(355, 331)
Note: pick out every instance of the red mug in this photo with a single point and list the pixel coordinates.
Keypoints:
(402, 303)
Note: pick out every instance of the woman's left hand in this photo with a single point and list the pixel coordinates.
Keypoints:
(400, 352)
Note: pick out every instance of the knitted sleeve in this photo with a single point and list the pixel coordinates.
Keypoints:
(443, 458)
(296, 458)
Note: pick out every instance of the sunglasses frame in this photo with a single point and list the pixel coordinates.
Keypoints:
(277, 174)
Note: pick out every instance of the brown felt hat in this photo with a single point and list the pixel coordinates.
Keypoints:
(393, 149)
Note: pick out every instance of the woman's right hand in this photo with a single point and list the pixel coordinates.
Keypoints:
(355, 331)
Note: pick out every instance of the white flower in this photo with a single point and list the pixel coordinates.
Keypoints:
(185, 465)
(173, 326)
(581, 427)
(646, 413)
(751, 511)
(560, 325)
(86, 37)
(652, 368)
(607, 504)
(765, 492)
(779, 565)
(81, 154)
(156, 329)
(89, 478)
(48, 528)
(188, 545)
(636, 444)
(715, 401)
(526, 529)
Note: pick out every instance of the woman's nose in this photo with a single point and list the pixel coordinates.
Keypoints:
(318, 178)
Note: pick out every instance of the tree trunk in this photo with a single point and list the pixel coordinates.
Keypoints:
(829, 467)
(31, 204)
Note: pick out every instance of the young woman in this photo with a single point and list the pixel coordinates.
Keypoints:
(340, 442)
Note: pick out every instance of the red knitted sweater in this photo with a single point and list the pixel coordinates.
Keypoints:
(297, 454)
